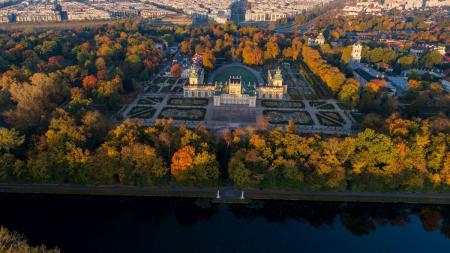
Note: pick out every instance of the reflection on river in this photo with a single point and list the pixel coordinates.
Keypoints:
(124, 224)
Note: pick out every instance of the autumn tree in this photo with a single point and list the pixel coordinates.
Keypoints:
(241, 175)
(10, 139)
(11, 168)
(35, 100)
(374, 154)
(346, 55)
(208, 59)
(271, 50)
(197, 168)
(89, 83)
(405, 62)
(328, 163)
(252, 54)
(13, 242)
(185, 47)
(430, 59)
(349, 92)
(108, 92)
(60, 155)
(141, 164)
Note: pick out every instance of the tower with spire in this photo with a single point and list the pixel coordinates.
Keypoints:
(196, 75)
(356, 53)
(278, 78)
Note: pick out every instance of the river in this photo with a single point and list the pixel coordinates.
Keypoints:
(143, 224)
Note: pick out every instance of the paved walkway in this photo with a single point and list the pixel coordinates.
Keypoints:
(230, 193)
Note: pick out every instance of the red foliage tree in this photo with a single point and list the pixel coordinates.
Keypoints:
(89, 83)
(176, 70)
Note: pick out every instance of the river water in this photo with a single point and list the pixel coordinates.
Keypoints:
(124, 224)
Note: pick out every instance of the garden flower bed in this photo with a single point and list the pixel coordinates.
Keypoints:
(175, 113)
(330, 119)
(282, 117)
(153, 88)
(188, 101)
(141, 112)
(150, 101)
(282, 104)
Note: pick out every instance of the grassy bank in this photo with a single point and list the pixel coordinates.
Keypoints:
(120, 190)
(107, 190)
(410, 198)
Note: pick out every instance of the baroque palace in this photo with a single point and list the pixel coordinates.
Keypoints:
(235, 90)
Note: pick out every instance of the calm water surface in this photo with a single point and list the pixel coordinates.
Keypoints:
(119, 224)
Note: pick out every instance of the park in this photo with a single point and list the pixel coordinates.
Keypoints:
(162, 98)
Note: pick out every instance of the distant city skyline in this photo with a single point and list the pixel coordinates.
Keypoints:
(219, 11)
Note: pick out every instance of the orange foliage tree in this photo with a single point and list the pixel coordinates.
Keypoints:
(89, 83)
(176, 70)
(182, 160)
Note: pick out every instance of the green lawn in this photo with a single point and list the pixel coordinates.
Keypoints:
(225, 74)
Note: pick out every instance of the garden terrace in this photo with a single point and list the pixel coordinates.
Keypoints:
(177, 89)
(175, 113)
(188, 101)
(171, 80)
(153, 88)
(159, 80)
(330, 119)
(283, 117)
(282, 104)
(294, 93)
(150, 100)
(141, 112)
(166, 89)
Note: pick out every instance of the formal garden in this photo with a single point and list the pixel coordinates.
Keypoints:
(196, 114)
(141, 112)
(171, 80)
(150, 100)
(166, 88)
(294, 93)
(282, 104)
(283, 117)
(181, 81)
(330, 119)
(165, 85)
(159, 80)
(152, 88)
(324, 105)
(177, 89)
(188, 101)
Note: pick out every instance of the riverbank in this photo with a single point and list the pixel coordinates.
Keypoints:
(121, 190)
(97, 224)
